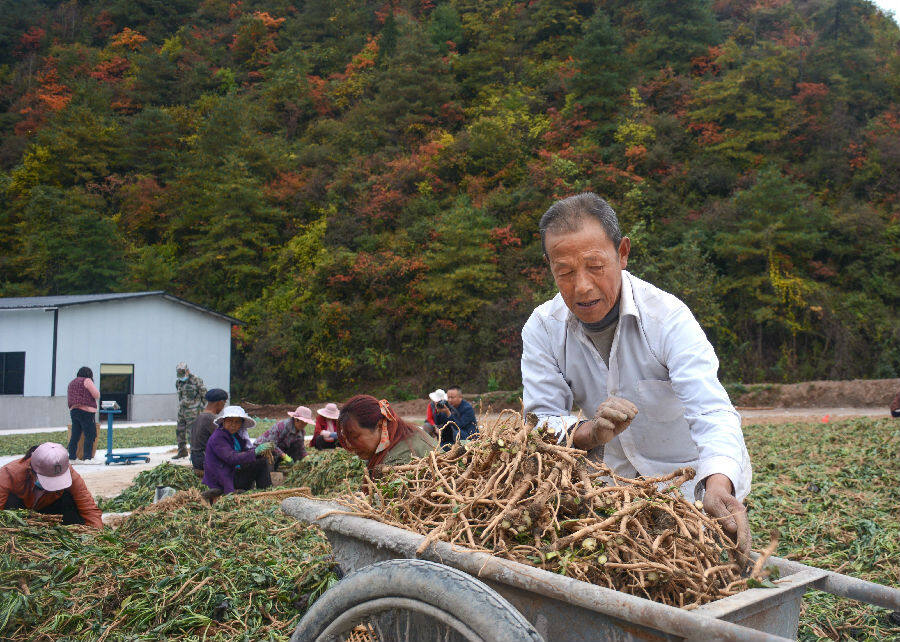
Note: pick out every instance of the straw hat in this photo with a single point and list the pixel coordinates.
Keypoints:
(303, 414)
(236, 411)
(330, 411)
(437, 395)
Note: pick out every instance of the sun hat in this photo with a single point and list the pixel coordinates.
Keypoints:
(303, 414)
(235, 411)
(182, 366)
(330, 411)
(437, 395)
(50, 463)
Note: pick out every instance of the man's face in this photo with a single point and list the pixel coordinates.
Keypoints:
(218, 406)
(587, 269)
(454, 397)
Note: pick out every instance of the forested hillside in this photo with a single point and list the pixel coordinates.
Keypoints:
(361, 181)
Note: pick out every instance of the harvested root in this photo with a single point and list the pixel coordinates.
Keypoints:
(515, 493)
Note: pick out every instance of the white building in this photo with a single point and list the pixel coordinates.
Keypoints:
(131, 341)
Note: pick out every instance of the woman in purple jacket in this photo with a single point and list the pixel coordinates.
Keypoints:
(231, 460)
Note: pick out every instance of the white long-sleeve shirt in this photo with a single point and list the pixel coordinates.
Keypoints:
(662, 362)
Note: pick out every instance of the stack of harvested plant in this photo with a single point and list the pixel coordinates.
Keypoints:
(173, 570)
(327, 472)
(516, 493)
(142, 489)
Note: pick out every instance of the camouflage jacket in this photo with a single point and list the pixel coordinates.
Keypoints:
(191, 393)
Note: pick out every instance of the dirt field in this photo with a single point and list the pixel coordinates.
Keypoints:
(813, 395)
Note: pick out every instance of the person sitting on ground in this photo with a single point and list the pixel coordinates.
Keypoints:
(456, 418)
(325, 434)
(371, 430)
(430, 425)
(287, 436)
(44, 482)
(204, 425)
(82, 397)
(232, 463)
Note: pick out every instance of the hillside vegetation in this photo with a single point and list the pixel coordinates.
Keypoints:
(361, 181)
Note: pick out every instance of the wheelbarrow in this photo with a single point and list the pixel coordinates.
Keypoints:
(454, 594)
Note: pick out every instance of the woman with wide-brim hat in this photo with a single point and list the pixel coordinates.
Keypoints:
(287, 436)
(232, 463)
(325, 434)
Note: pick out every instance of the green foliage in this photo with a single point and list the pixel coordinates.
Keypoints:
(327, 473)
(142, 490)
(189, 572)
(362, 184)
(831, 490)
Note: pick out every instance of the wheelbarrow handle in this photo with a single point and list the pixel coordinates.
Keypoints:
(846, 586)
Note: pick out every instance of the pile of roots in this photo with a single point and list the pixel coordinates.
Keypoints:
(516, 493)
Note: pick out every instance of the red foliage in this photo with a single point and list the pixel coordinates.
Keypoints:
(707, 133)
(318, 88)
(32, 39)
(104, 22)
(47, 97)
(702, 65)
(111, 70)
(564, 129)
(810, 93)
(286, 186)
(128, 38)
(504, 237)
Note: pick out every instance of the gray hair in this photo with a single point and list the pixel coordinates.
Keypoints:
(568, 215)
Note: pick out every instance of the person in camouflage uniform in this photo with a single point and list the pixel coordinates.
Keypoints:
(191, 401)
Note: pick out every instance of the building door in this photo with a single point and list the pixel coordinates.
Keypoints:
(117, 384)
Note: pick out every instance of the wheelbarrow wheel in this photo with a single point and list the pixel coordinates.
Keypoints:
(409, 600)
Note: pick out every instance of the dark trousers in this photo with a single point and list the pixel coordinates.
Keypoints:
(895, 413)
(82, 422)
(248, 474)
(64, 506)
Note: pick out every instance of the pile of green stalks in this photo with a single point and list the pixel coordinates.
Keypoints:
(143, 488)
(179, 569)
(327, 473)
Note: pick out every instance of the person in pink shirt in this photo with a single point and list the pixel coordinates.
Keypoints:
(83, 396)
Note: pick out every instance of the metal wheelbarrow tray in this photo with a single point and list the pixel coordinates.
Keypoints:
(562, 609)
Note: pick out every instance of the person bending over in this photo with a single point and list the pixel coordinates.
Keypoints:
(636, 361)
(288, 435)
(325, 433)
(44, 482)
(371, 430)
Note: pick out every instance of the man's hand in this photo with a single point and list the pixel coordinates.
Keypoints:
(612, 417)
(720, 502)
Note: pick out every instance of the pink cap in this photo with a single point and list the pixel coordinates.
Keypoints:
(50, 462)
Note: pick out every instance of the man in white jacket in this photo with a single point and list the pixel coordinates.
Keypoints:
(635, 362)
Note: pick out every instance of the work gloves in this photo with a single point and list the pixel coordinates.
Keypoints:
(262, 448)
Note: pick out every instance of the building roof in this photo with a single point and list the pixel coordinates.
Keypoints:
(25, 302)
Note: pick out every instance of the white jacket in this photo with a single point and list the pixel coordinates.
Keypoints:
(662, 362)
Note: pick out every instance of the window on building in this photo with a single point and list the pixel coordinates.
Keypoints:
(12, 373)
